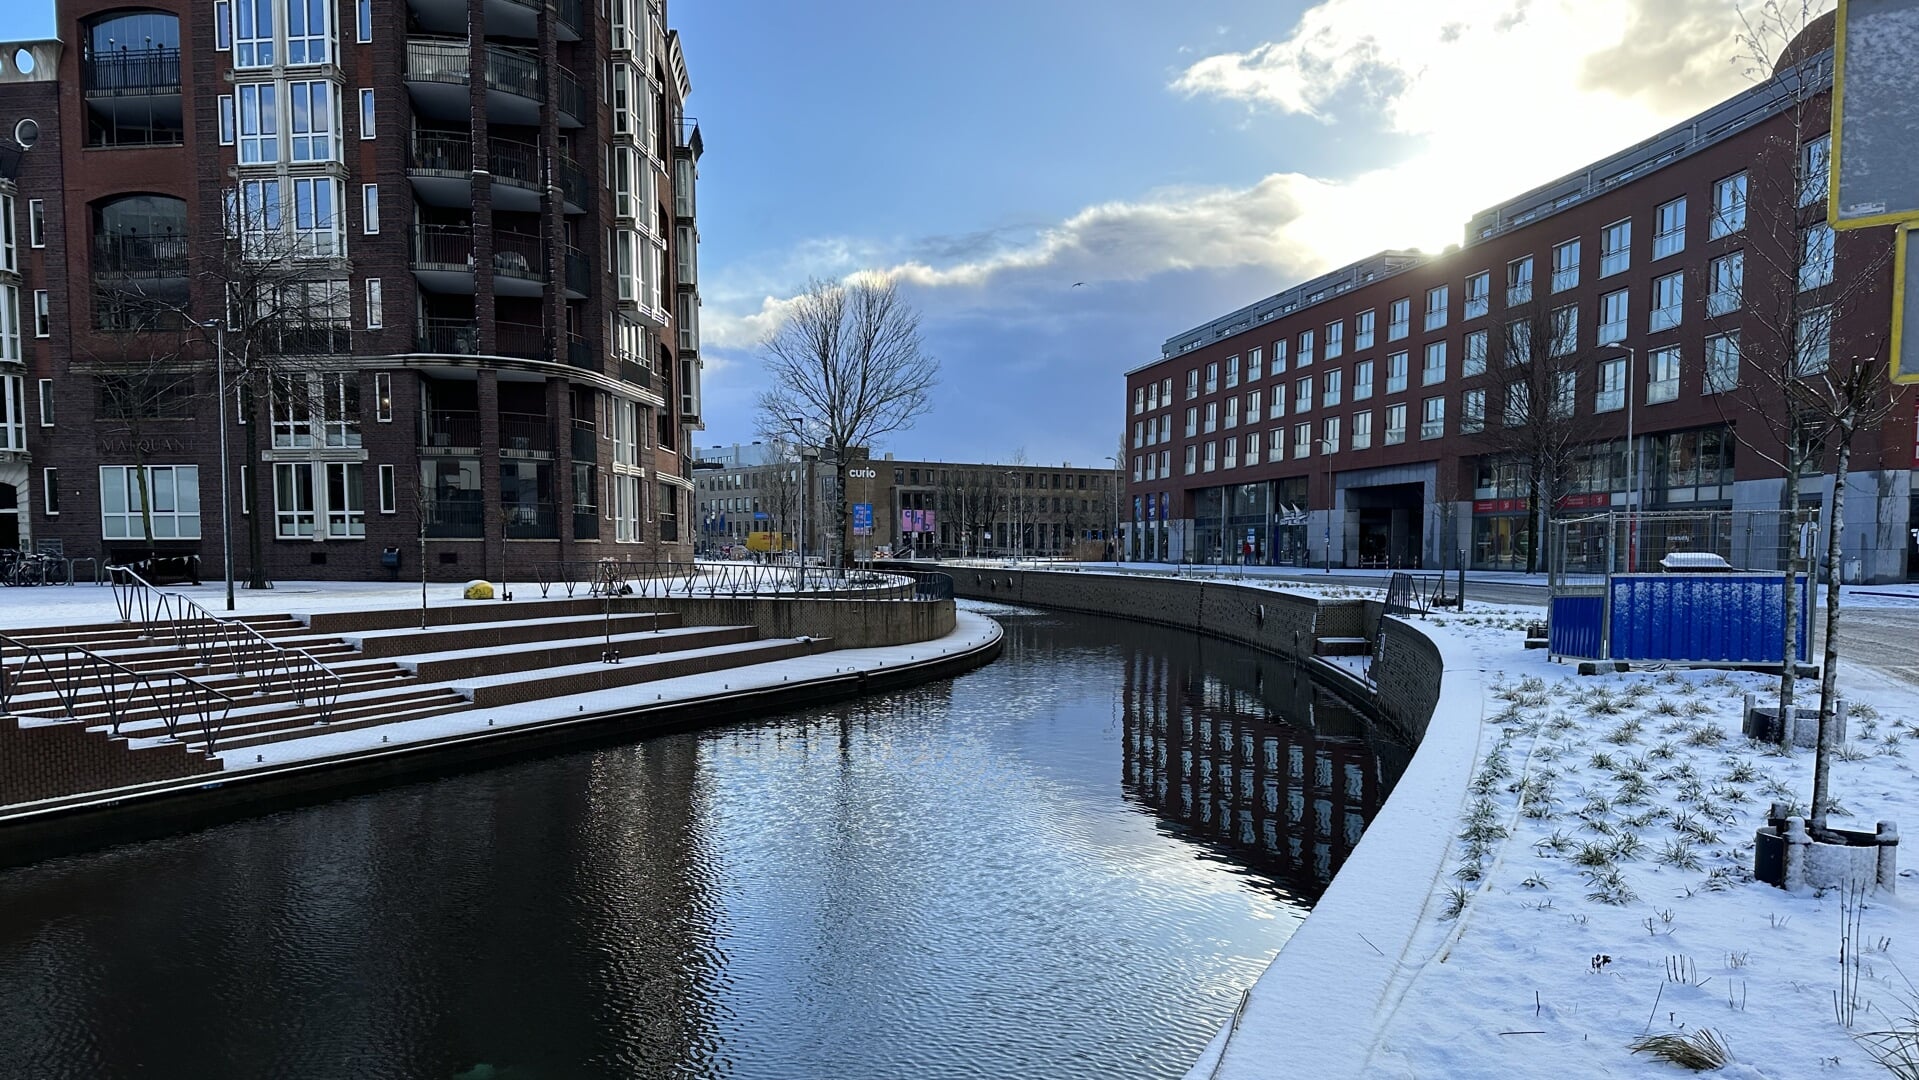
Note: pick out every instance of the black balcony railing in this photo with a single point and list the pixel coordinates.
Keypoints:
(579, 271)
(638, 374)
(507, 70)
(459, 337)
(585, 443)
(579, 354)
(530, 521)
(572, 96)
(451, 429)
(526, 433)
(524, 340)
(132, 72)
(518, 255)
(669, 525)
(573, 15)
(428, 60)
(687, 133)
(514, 162)
(443, 246)
(513, 72)
(459, 516)
(586, 522)
(303, 337)
(573, 183)
(443, 151)
(140, 256)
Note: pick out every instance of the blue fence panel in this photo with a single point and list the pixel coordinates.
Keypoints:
(1728, 618)
(1573, 628)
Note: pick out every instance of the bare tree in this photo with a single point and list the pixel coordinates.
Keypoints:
(847, 366)
(779, 482)
(966, 500)
(148, 387)
(1530, 415)
(1791, 383)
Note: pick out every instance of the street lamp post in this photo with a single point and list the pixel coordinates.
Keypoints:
(220, 423)
(1632, 459)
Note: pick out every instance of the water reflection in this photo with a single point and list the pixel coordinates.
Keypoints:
(1067, 864)
(1248, 755)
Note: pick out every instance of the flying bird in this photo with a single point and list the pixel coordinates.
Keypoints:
(1077, 284)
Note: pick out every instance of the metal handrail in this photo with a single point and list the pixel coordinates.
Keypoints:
(79, 670)
(252, 655)
(618, 577)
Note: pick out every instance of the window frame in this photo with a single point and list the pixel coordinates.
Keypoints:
(1669, 236)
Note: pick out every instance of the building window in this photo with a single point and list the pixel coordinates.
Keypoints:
(1232, 412)
(1472, 412)
(1474, 361)
(1276, 444)
(1565, 265)
(1362, 330)
(1565, 394)
(366, 114)
(375, 305)
(1303, 395)
(259, 122)
(253, 34)
(1335, 340)
(313, 121)
(50, 491)
(1813, 342)
(1519, 342)
(1252, 449)
(1436, 300)
(1192, 421)
(1329, 393)
(1278, 406)
(1565, 330)
(1434, 368)
(308, 33)
(1212, 377)
(1192, 459)
(1212, 457)
(1611, 395)
(1232, 374)
(1669, 228)
(1728, 207)
(1668, 300)
(1362, 380)
(1613, 308)
(1432, 423)
(1395, 372)
(1815, 160)
(1815, 257)
(1329, 435)
(1192, 390)
(172, 504)
(1395, 424)
(363, 24)
(1362, 430)
(318, 224)
(1727, 283)
(13, 413)
(46, 402)
(1722, 363)
(369, 208)
(223, 25)
(1615, 248)
(1478, 296)
(1255, 361)
(1519, 405)
(1232, 457)
(10, 346)
(1399, 319)
(42, 314)
(293, 515)
(1212, 417)
(389, 491)
(1662, 375)
(383, 397)
(36, 223)
(1305, 354)
(1279, 356)
(1519, 281)
(345, 500)
(1302, 440)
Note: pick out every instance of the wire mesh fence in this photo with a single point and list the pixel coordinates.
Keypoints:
(1585, 549)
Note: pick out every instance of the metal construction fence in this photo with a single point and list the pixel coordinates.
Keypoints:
(1585, 549)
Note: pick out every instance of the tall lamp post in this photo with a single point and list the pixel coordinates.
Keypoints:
(1326, 448)
(799, 432)
(1012, 481)
(220, 422)
(1632, 460)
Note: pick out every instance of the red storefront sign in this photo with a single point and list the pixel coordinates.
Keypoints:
(1498, 506)
(1588, 501)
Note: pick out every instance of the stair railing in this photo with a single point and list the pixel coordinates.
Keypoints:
(180, 619)
(74, 673)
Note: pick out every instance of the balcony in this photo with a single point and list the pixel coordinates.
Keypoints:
(438, 72)
(451, 431)
(575, 192)
(579, 274)
(443, 261)
(504, 18)
(460, 516)
(580, 355)
(132, 73)
(586, 522)
(440, 164)
(139, 257)
(531, 521)
(585, 443)
(526, 341)
(526, 435)
(519, 264)
(461, 337)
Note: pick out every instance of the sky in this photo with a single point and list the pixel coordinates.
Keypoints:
(1180, 160)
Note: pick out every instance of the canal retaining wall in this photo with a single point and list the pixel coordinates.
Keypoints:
(1317, 1009)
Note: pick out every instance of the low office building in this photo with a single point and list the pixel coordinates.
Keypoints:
(1364, 417)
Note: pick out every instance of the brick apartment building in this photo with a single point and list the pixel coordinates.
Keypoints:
(930, 507)
(489, 325)
(1345, 419)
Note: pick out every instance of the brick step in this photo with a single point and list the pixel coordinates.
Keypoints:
(150, 661)
(91, 705)
(48, 761)
(473, 663)
(495, 635)
(516, 687)
(302, 723)
(103, 636)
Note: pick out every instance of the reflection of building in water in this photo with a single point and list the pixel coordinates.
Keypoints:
(1256, 759)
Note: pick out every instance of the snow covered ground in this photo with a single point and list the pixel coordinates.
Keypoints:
(1598, 887)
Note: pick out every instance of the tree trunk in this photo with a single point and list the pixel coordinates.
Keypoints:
(1829, 674)
(1532, 523)
(256, 574)
(838, 540)
(1789, 667)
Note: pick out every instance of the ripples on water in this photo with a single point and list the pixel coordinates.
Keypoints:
(1068, 864)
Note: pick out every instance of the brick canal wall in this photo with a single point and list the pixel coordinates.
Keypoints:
(45, 761)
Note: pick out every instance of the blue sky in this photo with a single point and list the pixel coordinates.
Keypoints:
(1181, 159)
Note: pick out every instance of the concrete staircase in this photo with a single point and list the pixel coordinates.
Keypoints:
(506, 656)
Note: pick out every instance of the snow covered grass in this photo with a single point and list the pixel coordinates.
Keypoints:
(1601, 914)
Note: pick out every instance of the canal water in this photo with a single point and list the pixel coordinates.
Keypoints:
(1067, 864)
